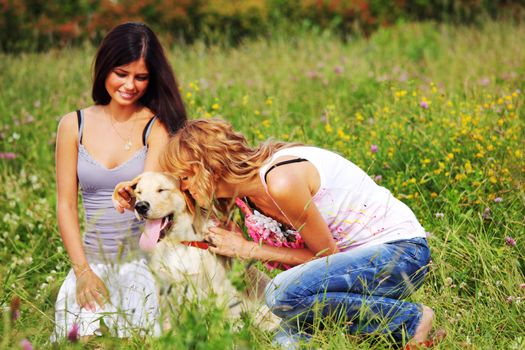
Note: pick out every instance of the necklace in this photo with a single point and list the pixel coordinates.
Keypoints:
(127, 142)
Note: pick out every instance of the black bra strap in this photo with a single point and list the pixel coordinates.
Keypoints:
(296, 160)
(80, 125)
(146, 131)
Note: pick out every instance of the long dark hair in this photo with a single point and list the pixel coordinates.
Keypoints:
(127, 43)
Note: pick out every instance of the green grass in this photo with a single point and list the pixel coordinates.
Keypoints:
(453, 158)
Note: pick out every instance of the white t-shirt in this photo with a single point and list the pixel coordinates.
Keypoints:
(358, 212)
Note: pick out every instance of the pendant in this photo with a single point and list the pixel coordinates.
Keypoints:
(127, 145)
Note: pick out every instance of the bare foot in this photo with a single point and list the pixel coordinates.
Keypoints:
(421, 339)
(435, 338)
(424, 327)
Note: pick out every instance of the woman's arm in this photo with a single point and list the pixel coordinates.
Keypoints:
(67, 191)
(291, 189)
(157, 140)
(231, 243)
(90, 288)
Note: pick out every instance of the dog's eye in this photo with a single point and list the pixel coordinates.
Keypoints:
(138, 192)
(161, 190)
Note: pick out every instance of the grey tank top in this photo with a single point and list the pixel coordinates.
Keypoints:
(109, 236)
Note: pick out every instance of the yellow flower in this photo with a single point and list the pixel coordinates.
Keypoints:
(468, 167)
(266, 123)
(269, 101)
(433, 195)
(460, 177)
(342, 134)
(215, 106)
(400, 93)
(450, 156)
(328, 128)
(359, 117)
(189, 94)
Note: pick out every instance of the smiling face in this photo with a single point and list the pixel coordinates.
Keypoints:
(128, 83)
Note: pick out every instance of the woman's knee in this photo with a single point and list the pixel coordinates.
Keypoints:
(281, 296)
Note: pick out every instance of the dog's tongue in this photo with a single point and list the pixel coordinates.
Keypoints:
(151, 234)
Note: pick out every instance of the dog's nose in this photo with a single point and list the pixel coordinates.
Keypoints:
(142, 207)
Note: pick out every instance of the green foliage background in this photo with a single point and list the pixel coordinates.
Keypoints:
(27, 25)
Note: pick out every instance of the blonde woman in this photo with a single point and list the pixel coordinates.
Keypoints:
(364, 250)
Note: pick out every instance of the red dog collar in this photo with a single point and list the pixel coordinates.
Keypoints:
(197, 244)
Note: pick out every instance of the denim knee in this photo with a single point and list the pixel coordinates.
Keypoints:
(275, 297)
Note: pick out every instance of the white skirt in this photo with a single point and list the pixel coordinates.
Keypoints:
(133, 307)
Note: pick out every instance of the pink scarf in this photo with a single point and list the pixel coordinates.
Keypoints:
(265, 230)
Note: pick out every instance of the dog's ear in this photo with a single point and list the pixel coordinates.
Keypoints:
(190, 202)
(133, 184)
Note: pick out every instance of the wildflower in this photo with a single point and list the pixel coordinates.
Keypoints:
(498, 199)
(15, 308)
(448, 281)
(378, 178)
(37, 104)
(440, 215)
(374, 148)
(338, 70)
(73, 333)
(26, 345)
(522, 286)
(7, 155)
(486, 214)
(215, 106)
(312, 74)
(510, 299)
(424, 104)
(510, 241)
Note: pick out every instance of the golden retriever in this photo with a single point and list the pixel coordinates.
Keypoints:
(178, 255)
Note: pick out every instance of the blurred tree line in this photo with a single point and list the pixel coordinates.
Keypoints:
(41, 24)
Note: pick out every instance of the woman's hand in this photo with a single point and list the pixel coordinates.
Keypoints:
(228, 243)
(124, 198)
(91, 290)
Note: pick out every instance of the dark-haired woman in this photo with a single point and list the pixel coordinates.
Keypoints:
(136, 107)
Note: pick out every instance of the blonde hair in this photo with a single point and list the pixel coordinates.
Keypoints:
(209, 149)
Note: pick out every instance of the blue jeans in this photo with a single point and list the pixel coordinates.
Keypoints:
(364, 286)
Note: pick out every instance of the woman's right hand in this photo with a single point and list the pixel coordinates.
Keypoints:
(91, 290)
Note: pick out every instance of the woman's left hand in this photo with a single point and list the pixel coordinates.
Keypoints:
(227, 243)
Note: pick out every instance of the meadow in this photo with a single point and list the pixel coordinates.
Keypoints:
(435, 113)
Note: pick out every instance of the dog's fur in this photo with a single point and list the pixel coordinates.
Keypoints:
(191, 272)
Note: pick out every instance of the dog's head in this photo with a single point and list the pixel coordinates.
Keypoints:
(159, 201)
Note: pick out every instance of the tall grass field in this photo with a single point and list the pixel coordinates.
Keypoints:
(434, 113)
